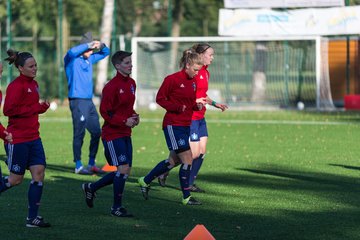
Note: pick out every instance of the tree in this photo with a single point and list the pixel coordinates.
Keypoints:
(106, 28)
(201, 23)
(175, 32)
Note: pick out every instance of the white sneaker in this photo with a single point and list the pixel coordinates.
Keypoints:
(83, 171)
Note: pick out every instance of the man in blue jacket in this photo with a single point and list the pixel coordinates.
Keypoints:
(78, 63)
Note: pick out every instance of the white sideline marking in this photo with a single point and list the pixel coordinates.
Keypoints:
(233, 121)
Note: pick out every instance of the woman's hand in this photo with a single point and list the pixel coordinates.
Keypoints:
(8, 136)
(200, 102)
(223, 107)
(133, 121)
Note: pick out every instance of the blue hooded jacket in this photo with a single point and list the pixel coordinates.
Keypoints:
(79, 70)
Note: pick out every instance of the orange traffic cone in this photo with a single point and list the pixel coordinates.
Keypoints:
(199, 232)
(108, 168)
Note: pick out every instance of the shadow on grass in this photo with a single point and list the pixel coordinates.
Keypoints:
(58, 168)
(273, 203)
(309, 177)
(321, 205)
(345, 166)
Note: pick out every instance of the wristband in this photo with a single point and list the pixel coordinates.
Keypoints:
(213, 103)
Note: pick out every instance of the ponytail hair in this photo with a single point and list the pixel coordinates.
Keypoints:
(17, 58)
(190, 57)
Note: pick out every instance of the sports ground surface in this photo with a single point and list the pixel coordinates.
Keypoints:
(267, 175)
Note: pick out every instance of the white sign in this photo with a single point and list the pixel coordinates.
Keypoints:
(282, 3)
(310, 21)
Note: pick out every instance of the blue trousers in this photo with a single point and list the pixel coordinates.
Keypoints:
(84, 116)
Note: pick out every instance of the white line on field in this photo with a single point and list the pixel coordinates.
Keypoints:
(233, 121)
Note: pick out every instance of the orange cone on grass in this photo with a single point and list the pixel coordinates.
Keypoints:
(199, 232)
(108, 168)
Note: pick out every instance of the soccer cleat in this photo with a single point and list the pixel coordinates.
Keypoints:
(83, 171)
(95, 169)
(37, 222)
(190, 201)
(144, 188)
(120, 212)
(195, 188)
(89, 195)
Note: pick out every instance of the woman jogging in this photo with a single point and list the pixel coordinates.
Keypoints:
(177, 95)
(22, 107)
(198, 129)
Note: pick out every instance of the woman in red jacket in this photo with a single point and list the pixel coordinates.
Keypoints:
(117, 109)
(22, 107)
(198, 129)
(177, 95)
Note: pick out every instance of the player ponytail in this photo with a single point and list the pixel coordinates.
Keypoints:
(190, 57)
(17, 58)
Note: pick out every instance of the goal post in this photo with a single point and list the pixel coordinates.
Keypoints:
(295, 69)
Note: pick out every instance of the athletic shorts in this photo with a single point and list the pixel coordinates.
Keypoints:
(21, 156)
(177, 137)
(118, 151)
(198, 129)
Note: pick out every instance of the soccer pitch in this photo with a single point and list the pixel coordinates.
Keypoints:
(267, 175)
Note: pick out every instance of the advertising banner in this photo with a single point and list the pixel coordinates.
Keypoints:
(282, 3)
(309, 21)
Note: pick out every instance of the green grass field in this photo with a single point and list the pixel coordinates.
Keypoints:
(267, 175)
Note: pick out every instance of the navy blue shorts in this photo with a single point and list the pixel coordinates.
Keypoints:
(177, 137)
(198, 129)
(21, 156)
(118, 151)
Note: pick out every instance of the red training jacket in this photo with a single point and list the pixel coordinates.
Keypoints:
(177, 90)
(22, 106)
(202, 84)
(117, 105)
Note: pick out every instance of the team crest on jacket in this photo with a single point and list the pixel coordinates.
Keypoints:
(194, 86)
(132, 88)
